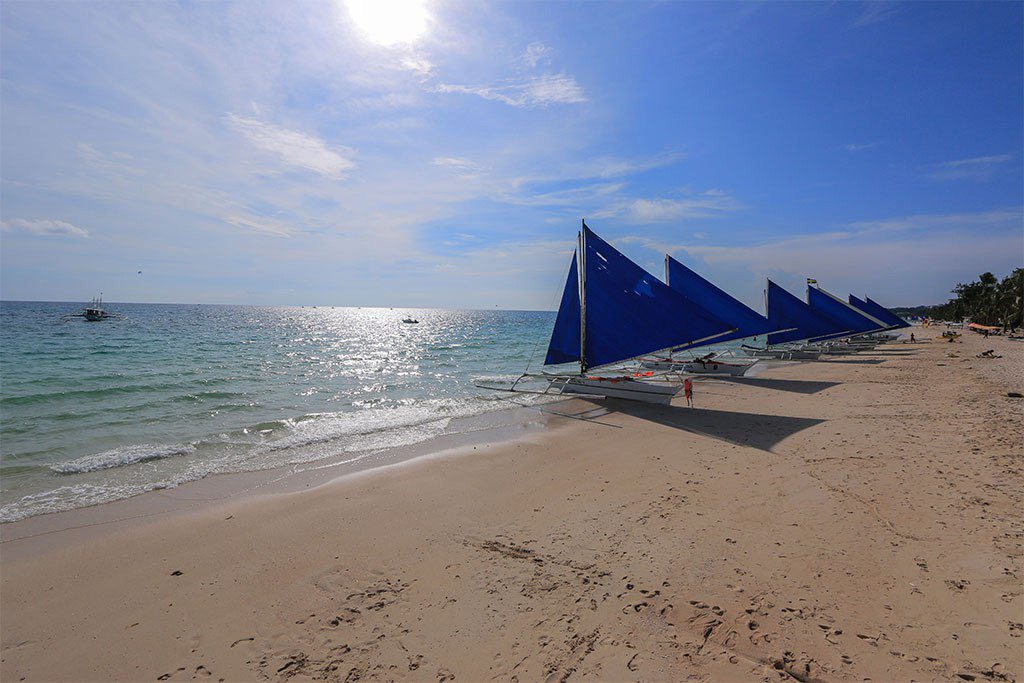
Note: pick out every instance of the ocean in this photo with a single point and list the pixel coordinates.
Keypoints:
(92, 412)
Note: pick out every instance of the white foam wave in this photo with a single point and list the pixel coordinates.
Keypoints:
(118, 457)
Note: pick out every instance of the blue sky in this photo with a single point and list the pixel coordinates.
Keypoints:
(442, 153)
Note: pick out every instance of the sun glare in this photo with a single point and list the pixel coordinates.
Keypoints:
(389, 22)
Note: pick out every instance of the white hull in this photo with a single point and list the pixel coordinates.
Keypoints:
(733, 367)
(616, 387)
(715, 367)
(784, 354)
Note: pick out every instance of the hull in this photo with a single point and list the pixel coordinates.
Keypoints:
(614, 387)
(784, 354)
(838, 351)
(714, 367)
(735, 368)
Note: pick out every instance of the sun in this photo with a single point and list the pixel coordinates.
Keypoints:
(389, 22)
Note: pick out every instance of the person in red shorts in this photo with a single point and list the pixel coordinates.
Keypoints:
(688, 390)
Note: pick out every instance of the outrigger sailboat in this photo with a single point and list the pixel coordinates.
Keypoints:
(824, 325)
(876, 310)
(613, 311)
(747, 323)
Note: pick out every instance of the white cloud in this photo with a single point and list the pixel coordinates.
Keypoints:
(456, 163)
(995, 217)
(264, 225)
(536, 53)
(418, 64)
(976, 168)
(860, 146)
(578, 197)
(44, 228)
(708, 204)
(536, 91)
(916, 256)
(611, 167)
(875, 12)
(295, 147)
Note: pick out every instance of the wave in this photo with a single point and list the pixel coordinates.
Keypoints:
(316, 428)
(118, 457)
(100, 393)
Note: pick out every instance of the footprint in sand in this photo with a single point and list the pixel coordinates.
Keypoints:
(958, 585)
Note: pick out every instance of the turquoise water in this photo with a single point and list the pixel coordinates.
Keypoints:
(92, 412)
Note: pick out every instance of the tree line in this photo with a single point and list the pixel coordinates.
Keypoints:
(987, 301)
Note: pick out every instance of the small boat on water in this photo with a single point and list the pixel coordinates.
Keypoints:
(94, 312)
(410, 321)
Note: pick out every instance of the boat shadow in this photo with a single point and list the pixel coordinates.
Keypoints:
(893, 353)
(753, 430)
(852, 361)
(796, 386)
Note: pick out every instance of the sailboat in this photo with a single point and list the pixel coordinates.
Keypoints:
(745, 321)
(860, 325)
(798, 324)
(882, 313)
(613, 311)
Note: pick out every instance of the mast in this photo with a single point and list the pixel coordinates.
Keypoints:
(667, 276)
(582, 267)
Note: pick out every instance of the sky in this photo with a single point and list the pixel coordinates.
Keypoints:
(442, 154)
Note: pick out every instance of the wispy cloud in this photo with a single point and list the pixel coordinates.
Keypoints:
(643, 211)
(976, 168)
(995, 217)
(886, 253)
(456, 163)
(295, 148)
(536, 53)
(582, 197)
(418, 64)
(264, 225)
(44, 228)
(860, 146)
(537, 91)
(539, 189)
(874, 12)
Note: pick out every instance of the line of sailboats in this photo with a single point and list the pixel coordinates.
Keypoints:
(613, 313)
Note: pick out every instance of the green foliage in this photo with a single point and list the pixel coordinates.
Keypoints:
(986, 301)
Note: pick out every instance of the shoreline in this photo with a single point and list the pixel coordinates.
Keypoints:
(18, 537)
(853, 518)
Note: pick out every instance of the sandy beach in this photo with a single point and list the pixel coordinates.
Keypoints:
(855, 519)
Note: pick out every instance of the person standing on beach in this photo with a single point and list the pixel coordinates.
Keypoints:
(912, 340)
(688, 390)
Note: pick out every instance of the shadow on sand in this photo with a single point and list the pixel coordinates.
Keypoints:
(892, 353)
(845, 360)
(753, 430)
(796, 386)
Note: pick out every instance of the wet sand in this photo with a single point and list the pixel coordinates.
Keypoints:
(842, 520)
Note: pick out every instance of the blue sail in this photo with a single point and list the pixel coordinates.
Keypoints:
(863, 307)
(880, 312)
(748, 323)
(628, 312)
(565, 336)
(785, 311)
(841, 313)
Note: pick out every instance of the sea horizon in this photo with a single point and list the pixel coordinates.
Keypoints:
(194, 303)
